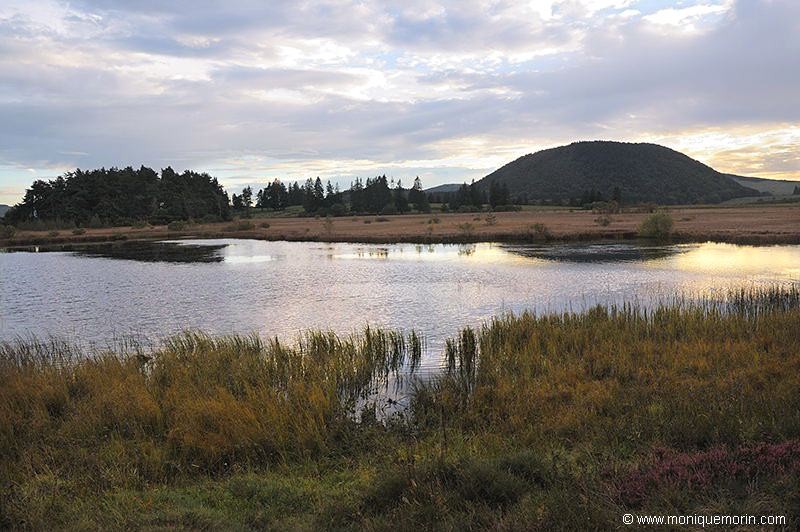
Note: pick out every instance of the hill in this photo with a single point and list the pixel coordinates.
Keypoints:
(642, 172)
(4, 209)
(776, 187)
(447, 188)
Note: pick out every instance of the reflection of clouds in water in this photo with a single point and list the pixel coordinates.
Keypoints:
(727, 259)
(241, 259)
(280, 288)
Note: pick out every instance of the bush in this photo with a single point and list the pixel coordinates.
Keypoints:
(604, 220)
(78, 231)
(381, 219)
(389, 209)
(539, 231)
(466, 228)
(605, 207)
(491, 219)
(264, 225)
(338, 209)
(139, 224)
(658, 226)
(95, 222)
(210, 219)
(177, 225)
(243, 225)
(53, 233)
(434, 220)
(7, 231)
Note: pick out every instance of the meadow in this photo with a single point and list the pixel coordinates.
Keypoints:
(742, 224)
(560, 421)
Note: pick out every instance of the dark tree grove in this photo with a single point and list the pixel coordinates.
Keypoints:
(122, 195)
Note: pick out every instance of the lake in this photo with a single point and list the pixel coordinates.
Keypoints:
(96, 294)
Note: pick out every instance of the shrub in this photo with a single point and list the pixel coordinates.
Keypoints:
(491, 219)
(367, 221)
(605, 207)
(7, 231)
(243, 225)
(177, 225)
(539, 231)
(264, 225)
(658, 226)
(139, 224)
(434, 220)
(210, 219)
(466, 228)
(95, 222)
(53, 233)
(604, 220)
(389, 209)
(338, 209)
(78, 231)
(381, 219)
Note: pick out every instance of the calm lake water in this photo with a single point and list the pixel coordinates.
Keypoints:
(100, 293)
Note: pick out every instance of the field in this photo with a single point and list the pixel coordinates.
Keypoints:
(539, 423)
(740, 224)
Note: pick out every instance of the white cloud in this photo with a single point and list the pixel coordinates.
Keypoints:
(341, 87)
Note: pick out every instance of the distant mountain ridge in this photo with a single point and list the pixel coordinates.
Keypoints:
(642, 172)
(776, 187)
(3, 209)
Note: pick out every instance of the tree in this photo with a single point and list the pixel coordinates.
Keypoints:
(797, 191)
(498, 194)
(460, 197)
(247, 199)
(238, 203)
(400, 198)
(418, 198)
(475, 195)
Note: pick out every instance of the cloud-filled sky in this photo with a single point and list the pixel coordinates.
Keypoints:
(450, 90)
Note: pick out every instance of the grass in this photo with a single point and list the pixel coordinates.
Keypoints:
(561, 421)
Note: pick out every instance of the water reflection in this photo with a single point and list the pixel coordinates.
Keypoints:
(281, 288)
(596, 252)
(143, 251)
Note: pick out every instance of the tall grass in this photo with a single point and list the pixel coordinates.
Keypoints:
(561, 421)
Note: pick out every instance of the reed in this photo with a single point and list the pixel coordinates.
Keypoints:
(557, 421)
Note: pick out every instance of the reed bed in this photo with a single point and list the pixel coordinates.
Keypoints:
(558, 421)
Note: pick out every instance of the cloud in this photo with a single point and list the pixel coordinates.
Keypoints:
(285, 89)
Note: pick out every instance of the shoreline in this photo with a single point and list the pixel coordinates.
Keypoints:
(771, 225)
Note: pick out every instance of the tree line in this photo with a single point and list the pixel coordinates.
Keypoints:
(121, 196)
(117, 196)
(377, 195)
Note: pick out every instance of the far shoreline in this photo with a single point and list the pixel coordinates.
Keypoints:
(752, 225)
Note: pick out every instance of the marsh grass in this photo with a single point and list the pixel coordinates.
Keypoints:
(557, 421)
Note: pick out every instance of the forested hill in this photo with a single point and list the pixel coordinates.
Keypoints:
(603, 169)
(119, 195)
(3, 210)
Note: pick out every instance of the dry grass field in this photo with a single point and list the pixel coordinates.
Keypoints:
(744, 224)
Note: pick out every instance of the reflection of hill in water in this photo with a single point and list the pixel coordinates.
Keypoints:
(601, 252)
(145, 251)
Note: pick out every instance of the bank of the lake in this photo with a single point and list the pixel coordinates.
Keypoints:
(745, 224)
(562, 421)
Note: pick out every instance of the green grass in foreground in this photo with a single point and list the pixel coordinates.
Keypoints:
(552, 422)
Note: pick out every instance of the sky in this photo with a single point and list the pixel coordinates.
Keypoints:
(250, 91)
